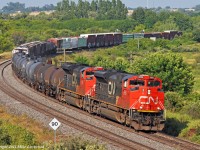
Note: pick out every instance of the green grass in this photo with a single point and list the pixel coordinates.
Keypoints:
(183, 126)
(193, 59)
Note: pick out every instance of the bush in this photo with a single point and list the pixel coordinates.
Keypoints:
(173, 101)
(17, 135)
(81, 60)
(193, 109)
(5, 138)
(77, 143)
(192, 132)
(197, 58)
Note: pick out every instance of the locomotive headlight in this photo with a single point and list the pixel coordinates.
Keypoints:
(158, 108)
(141, 107)
(149, 92)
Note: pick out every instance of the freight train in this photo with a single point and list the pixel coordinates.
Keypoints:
(130, 99)
(96, 40)
(53, 45)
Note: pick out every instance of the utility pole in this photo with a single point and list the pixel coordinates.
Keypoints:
(64, 55)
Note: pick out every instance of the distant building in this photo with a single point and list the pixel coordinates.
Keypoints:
(35, 13)
(130, 12)
(173, 9)
(16, 13)
(189, 9)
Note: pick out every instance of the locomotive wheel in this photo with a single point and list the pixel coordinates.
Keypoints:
(47, 92)
(120, 117)
(136, 125)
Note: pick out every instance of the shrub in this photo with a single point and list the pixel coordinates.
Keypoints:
(173, 101)
(193, 109)
(77, 143)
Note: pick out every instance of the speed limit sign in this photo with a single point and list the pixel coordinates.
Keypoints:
(54, 124)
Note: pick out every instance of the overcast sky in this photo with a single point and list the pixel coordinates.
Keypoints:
(128, 3)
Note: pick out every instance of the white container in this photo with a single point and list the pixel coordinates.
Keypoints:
(74, 42)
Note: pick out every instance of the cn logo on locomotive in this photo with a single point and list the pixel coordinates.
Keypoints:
(147, 100)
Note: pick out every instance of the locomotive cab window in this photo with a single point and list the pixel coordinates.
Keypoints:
(137, 82)
(153, 83)
(89, 73)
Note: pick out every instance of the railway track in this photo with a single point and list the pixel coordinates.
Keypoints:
(110, 137)
(87, 128)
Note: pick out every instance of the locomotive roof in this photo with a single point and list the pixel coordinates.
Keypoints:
(71, 67)
(112, 75)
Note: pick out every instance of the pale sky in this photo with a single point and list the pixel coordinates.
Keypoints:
(128, 3)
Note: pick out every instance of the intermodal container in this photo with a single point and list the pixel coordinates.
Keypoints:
(66, 43)
(74, 43)
(127, 37)
(91, 39)
(82, 42)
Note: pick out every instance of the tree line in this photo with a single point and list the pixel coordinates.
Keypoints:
(13, 7)
(99, 9)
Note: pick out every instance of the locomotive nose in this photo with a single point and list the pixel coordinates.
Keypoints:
(149, 99)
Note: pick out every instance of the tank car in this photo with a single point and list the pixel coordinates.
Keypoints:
(55, 80)
(40, 84)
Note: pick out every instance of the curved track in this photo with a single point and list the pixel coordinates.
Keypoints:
(110, 137)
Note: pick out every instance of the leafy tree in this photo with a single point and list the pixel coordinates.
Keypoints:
(6, 43)
(183, 21)
(163, 15)
(169, 24)
(139, 15)
(196, 35)
(176, 75)
(4, 27)
(13, 7)
(139, 28)
(18, 38)
(150, 18)
(101, 10)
